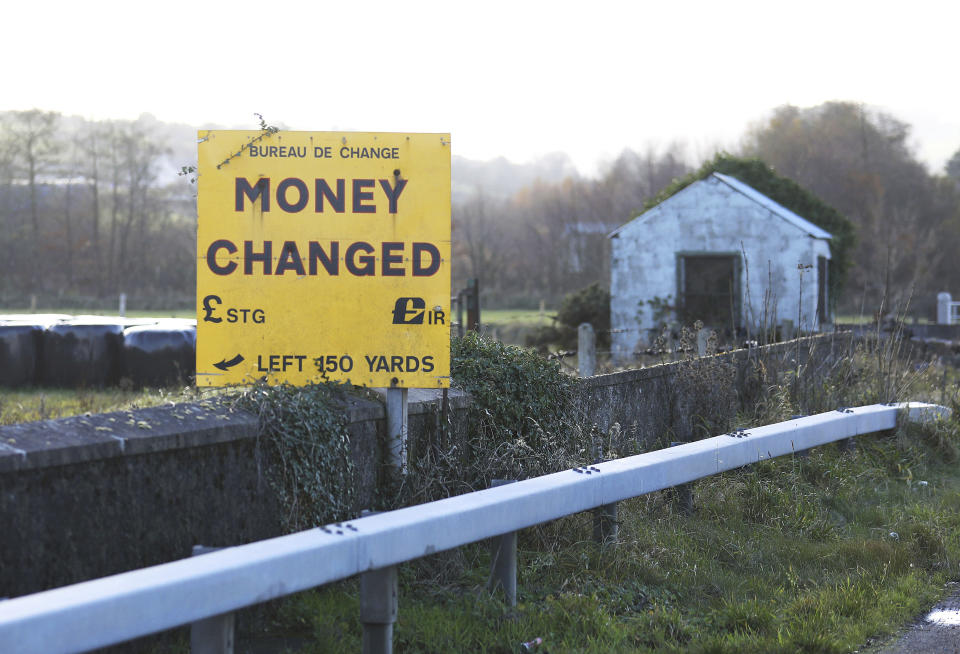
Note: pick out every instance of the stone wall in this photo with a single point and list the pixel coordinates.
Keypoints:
(93, 495)
(90, 496)
(697, 398)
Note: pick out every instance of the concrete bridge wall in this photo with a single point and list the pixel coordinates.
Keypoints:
(93, 495)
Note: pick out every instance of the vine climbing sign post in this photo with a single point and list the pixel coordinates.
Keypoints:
(324, 256)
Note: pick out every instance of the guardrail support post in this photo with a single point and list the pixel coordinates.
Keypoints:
(606, 528)
(211, 635)
(503, 562)
(800, 454)
(378, 609)
(684, 492)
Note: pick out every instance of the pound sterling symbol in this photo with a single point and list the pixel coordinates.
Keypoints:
(208, 317)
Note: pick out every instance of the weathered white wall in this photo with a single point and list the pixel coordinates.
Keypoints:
(711, 217)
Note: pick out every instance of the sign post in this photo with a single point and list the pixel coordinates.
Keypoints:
(324, 256)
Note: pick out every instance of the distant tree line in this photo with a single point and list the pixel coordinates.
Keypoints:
(550, 238)
(90, 209)
(906, 219)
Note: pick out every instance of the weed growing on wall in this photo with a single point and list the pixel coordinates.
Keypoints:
(520, 393)
(705, 390)
(521, 423)
(305, 440)
(865, 371)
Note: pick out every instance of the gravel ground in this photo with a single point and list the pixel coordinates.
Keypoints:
(938, 631)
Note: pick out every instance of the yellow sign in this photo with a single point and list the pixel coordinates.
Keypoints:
(323, 256)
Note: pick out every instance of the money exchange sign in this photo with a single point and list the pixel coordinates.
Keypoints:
(323, 256)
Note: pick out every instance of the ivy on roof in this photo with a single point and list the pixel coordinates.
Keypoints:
(761, 177)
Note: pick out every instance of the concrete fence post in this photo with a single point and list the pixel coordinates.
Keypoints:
(458, 300)
(123, 305)
(473, 304)
(703, 339)
(212, 635)
(786, 330)
(943, 308)
(587, 349)
(503, 559)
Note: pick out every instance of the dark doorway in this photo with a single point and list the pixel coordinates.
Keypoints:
(710, 290)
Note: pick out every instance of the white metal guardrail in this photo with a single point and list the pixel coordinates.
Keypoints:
(113, 609)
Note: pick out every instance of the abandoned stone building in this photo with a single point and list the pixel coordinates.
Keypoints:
(719, 252)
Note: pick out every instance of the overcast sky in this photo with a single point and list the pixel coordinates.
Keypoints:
(518, 78)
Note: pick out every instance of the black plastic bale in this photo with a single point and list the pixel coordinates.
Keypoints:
(159, 355)
(19, 354)
(81, 354)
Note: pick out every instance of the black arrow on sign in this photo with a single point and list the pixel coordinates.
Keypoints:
(226, 365)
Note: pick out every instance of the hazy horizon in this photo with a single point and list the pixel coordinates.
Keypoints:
(518, 80)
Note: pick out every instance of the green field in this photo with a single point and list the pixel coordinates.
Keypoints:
(530, 317)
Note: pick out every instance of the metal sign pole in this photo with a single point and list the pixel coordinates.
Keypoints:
(397, 427)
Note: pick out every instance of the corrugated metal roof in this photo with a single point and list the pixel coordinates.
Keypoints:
(778, 209)
(759, 198)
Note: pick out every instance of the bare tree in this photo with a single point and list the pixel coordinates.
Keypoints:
(83, 209)
(91, 142)
(550, 237)
(860, 162)
(36, 153)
